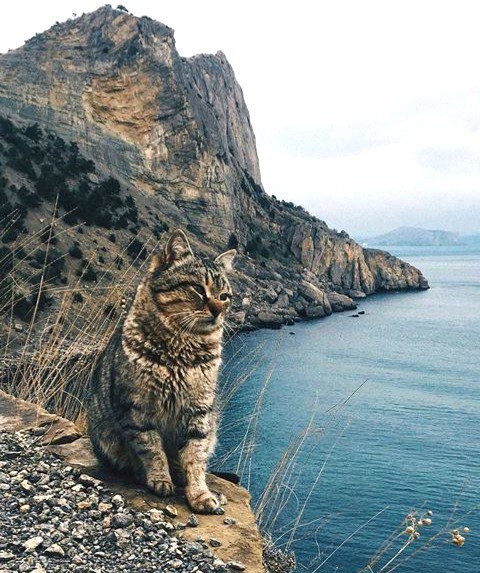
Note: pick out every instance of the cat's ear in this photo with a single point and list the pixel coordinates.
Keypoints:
(177, 247)
(225, 260)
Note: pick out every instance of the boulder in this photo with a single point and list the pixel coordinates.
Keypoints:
(266, 319)
(356, 294)
(282, 301)
(340, 302)
(315, 311)
(311, 292)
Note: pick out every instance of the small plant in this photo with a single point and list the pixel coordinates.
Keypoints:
(89, 275)
(75, 251)
(136, 249)
(78, 297)
(232, 241)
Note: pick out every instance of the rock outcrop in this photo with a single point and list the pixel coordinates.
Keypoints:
(235, 534)
(176, 132)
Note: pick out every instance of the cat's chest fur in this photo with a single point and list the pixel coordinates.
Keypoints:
(179, 387)
(162, 384)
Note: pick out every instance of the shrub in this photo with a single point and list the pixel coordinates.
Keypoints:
(77, 297)
(34, 132)
(48, 236)
(232, 241)
(136, 249)
(29, 198)
(75, 251)
(88, 274)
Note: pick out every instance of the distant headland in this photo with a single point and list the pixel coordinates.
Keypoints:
(415, 237)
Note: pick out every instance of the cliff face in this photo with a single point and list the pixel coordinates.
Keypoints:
(177, 132)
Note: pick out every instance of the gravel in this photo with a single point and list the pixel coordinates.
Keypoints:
(53, 518)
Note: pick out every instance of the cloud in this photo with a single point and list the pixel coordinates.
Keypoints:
(460, 161)
(328, 141)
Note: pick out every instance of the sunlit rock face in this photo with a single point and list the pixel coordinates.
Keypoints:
(177, 132)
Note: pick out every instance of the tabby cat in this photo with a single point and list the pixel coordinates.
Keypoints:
(152, 407)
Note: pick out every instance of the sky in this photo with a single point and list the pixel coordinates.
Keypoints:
(366, 112)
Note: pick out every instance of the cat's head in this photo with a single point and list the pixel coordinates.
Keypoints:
(192, 294)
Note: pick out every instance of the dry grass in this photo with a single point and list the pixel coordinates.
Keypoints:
(50, 361)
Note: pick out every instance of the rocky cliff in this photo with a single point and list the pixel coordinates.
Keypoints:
(176, 133)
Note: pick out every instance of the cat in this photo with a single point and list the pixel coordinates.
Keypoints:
(152, 408)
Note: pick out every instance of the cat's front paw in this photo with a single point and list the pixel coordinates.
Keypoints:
(205, 502)
(160, 486)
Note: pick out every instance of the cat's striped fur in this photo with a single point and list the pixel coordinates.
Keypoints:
(152, 408)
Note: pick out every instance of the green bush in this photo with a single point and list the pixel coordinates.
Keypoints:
(75, 251)
(136, 249)
(232, 241)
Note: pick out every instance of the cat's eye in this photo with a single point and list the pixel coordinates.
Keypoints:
(225, 296)
(199, 289)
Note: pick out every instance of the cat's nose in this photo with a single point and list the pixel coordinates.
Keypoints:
(214, 307)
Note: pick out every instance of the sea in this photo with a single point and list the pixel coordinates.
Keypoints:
(348, 428)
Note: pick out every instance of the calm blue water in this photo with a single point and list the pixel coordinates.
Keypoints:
(408, 439)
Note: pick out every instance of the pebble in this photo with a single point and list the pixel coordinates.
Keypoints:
(117, 500)
(6, 555)
(156, 515)
(26, 486)
(215, 542)
(33, 543)
(121, 520)
(171, 511)
(236, 565)
(104, 507)
(192, 520)
(55, 549)
(88, 481)
(84, 504)
(229, 521)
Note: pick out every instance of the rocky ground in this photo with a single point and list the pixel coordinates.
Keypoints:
(54, 518)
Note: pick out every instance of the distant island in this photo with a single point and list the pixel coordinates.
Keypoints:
(415, 237)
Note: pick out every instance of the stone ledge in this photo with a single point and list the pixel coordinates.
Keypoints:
(240, 541)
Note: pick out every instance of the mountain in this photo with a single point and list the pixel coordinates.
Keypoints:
(114, 126)
(415, 237)
(472, 240)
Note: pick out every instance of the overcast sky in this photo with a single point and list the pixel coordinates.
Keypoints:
(365, 112)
